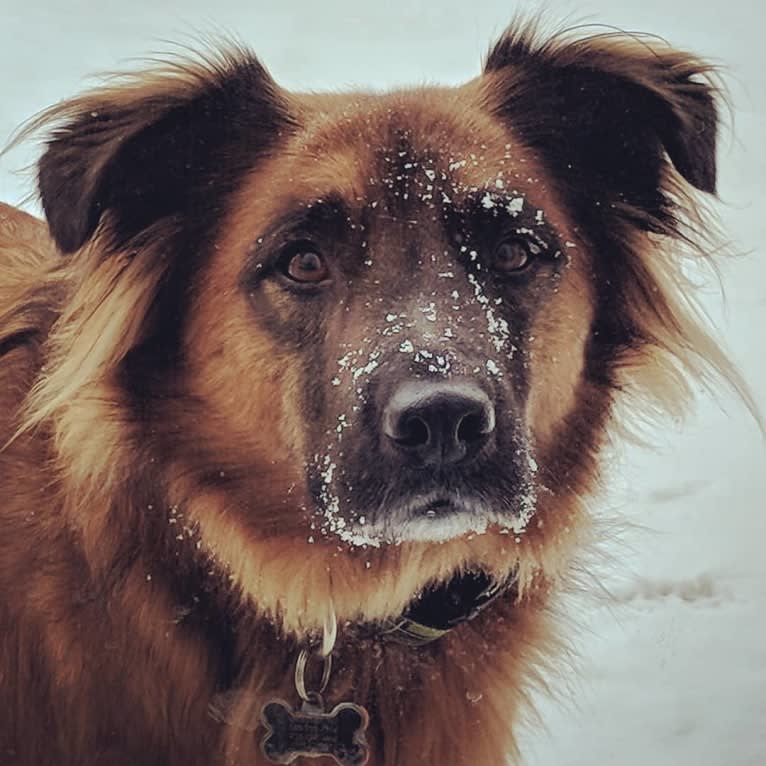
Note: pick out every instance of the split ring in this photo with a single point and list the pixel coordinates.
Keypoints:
(300, 676)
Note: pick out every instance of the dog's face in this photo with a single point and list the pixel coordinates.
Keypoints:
(413, 279)
(387, 328)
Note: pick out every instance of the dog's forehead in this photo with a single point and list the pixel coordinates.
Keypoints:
(429, 145)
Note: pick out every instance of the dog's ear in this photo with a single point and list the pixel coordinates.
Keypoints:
(155, 145)
(606, 113)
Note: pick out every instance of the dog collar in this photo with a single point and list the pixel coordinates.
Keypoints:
(440, 609)
(312, 730)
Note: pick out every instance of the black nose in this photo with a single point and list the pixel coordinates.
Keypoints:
(438, 423)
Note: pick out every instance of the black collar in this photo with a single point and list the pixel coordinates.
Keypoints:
(439, 609)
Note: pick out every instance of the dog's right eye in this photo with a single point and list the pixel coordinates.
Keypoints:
(512, 256)
(302, 263)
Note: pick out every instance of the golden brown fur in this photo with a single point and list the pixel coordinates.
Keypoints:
(156, 582)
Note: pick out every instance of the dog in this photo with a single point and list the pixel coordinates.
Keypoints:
(304, 396)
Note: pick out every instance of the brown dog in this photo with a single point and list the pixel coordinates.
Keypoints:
(296, 365)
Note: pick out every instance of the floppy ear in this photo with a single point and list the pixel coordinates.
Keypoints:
(607, 112)
(155, 145)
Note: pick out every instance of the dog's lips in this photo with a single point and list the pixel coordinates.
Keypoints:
(439, 506)
(436, 505)
(433, 518)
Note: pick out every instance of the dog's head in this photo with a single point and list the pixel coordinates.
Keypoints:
(368, 341)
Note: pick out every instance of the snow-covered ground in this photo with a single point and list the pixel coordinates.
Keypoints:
(672, 667)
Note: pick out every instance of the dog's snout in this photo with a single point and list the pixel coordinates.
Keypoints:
(438, 423)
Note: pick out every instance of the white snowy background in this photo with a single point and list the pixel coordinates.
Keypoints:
(672, 655)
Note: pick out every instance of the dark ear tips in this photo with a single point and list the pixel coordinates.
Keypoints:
(690, 139)
(69, 208)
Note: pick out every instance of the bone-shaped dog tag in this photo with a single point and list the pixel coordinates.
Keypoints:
(313, 733)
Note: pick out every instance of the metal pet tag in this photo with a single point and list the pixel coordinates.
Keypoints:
(313, 733)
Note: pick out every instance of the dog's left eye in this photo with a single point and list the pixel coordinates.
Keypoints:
(305, 265)
(512, 256)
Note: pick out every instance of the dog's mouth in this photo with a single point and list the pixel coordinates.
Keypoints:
(431, 518)
(364, 506)
(439, 506)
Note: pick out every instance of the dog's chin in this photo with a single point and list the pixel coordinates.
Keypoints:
(435, 518)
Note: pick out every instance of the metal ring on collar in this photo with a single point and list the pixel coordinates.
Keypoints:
(300, 675)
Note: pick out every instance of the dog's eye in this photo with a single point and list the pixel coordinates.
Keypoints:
(305, 265)
(512, 256)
